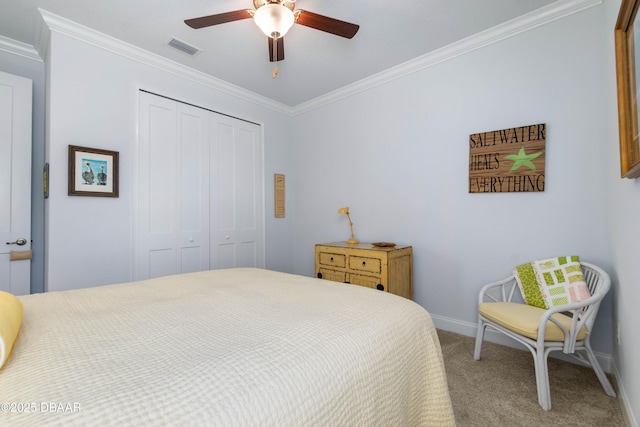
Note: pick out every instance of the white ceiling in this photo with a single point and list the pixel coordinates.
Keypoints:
(316, 63)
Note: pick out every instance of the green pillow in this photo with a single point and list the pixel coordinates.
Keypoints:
(529, 286)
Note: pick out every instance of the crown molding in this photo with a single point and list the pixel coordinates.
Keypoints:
(72, 29)
(537, 18)
(557, 10)
(18, 48)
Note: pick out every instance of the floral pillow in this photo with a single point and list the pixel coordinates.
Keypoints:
(552, 282)
(561, 280)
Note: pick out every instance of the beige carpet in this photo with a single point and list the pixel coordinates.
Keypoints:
(500, 389)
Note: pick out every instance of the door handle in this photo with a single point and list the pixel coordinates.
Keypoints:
(19, 242)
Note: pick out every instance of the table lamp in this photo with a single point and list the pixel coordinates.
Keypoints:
(352, 240)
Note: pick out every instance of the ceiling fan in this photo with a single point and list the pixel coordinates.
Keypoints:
(275, 18)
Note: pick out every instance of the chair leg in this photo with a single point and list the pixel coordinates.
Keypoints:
(479, 337)
(606, 385)
(542, 378)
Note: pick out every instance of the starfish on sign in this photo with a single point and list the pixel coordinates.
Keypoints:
(522, 159)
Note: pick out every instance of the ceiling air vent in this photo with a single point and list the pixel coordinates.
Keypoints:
(183, 47)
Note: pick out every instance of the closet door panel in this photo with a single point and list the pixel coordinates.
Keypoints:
(191, 260)
(237, 225)
(246, 180)
(194, 188)
(161, 262)
(226, 256)
(224, 186)
(172, 191)
(157, 187)
(161, 168)
(249, 255)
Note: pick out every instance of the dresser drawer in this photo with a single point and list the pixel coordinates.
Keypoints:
(333, 275)
(366, 281)
(334, 260)
(371, 265)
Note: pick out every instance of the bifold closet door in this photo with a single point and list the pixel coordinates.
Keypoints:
(237, 205)
(172, 188)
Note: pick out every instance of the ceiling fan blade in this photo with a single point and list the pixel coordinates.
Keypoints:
(219, 18)
(280, 49)
(326, 24)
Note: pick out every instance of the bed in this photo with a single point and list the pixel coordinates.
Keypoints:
(232, 347)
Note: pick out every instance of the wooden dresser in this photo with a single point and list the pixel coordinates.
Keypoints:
(388, 269)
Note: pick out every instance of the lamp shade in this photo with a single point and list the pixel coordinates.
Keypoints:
(274, 19)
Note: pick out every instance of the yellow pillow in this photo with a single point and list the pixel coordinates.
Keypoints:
(10, 320)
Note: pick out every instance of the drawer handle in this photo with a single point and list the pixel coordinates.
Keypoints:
(380, 287)
(364, 263)
(331, 259)
(319, 275)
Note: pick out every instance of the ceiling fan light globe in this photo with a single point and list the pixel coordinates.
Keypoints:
(274, 19)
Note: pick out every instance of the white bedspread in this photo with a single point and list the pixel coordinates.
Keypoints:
(238, 347)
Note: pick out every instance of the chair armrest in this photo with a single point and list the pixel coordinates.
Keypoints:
(581, 312)
(500, 291)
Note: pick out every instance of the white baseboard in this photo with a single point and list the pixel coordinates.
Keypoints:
(606, 360)
(625, 405)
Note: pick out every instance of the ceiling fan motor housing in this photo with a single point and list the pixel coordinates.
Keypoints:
(286, 3)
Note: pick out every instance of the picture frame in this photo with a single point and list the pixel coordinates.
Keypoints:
(93, 172)
(627, 44)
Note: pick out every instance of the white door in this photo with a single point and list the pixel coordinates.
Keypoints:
(172, 189)
(237, 217)
(15, 184)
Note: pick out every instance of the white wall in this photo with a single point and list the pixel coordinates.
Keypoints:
(397, 154)
(92, 96)
(624, 201)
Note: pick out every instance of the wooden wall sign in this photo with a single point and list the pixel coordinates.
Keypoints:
(507, 160)
(279, 195)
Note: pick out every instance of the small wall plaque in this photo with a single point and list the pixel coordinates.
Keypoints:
(279, 195)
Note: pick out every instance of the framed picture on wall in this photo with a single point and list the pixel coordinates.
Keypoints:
(93, 172)
(627, 37)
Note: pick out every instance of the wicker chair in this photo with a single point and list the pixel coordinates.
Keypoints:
(543, 331)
